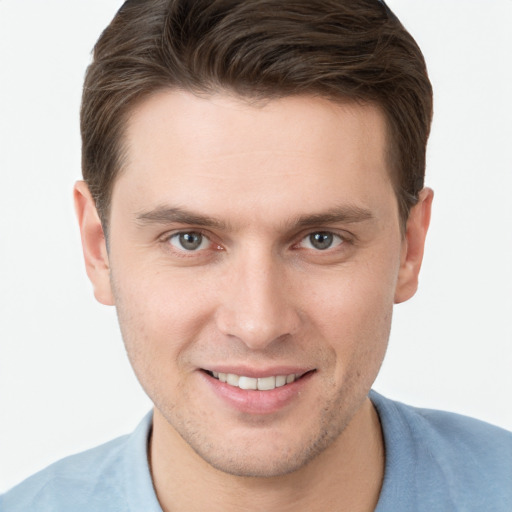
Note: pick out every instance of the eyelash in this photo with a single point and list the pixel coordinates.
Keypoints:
(183, 253)
(309, 238)
(342, 239)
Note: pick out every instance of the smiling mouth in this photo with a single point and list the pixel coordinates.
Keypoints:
(256, 383)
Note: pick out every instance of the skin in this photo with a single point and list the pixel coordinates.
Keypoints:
(255, 181)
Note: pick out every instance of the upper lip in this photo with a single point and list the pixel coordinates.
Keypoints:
(259, 372)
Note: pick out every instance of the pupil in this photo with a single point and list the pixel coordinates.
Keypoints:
(191, 241)
(321, 241)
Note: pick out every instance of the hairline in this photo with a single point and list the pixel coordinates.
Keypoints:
(254, 100)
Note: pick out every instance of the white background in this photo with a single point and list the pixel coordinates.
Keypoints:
(65, 383)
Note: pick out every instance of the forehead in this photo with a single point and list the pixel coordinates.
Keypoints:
(280, 154)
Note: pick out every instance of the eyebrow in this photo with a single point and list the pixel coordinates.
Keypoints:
(347, 214)
(168, 215)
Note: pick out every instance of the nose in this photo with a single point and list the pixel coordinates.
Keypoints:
(256, 305)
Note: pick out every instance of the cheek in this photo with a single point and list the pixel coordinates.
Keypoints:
(359, 331)
(353, 312)
(153, 322)
(355, 297)
(163, 302)
(159, 319)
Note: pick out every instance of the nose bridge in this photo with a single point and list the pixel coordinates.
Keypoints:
(256, 307)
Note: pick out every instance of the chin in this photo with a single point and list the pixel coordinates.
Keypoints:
(265, 455)
(259, 466)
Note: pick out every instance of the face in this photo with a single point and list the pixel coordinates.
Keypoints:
(255, 256)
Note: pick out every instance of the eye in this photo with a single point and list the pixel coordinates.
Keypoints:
(189, 241)
(321, 241)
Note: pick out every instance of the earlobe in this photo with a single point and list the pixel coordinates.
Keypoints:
(93, 244)
(413, 246)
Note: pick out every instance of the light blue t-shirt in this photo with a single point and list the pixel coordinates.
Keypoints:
(435, 462)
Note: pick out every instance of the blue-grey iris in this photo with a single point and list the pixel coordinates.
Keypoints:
(321, 240)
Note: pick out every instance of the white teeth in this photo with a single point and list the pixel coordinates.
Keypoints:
(266, 383)
(248, 383)
(290, 379)
(261, 383)
(280, 381)
(233, 379)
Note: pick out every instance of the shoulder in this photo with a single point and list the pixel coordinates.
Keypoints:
(447, 458)
(69, 483)
(112, 477)
(468, 438)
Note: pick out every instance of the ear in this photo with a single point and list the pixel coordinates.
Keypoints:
(413, 246)
(93, 243)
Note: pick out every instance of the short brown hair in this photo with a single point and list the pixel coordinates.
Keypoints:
(338, 49)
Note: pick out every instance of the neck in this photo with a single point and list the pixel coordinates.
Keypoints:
(346, 476)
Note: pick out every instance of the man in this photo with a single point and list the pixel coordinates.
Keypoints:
(253, 206)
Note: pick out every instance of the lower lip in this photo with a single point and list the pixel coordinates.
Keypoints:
(254, 401)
